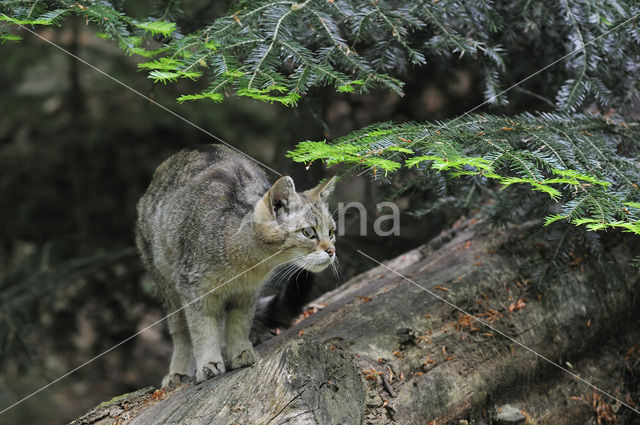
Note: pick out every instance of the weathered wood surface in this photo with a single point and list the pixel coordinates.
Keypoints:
(383, 350)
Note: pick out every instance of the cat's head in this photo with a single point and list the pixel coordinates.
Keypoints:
(298, 223)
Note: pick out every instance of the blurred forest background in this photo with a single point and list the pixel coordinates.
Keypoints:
(77, 150)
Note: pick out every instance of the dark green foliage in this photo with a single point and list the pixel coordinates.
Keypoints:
(275, 51)
(42, 282)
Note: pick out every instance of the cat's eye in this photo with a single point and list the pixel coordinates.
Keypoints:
(331, 232)
(309, 232)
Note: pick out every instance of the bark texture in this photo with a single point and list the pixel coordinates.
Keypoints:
(381, 349)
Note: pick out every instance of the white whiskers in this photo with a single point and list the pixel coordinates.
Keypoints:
(287, 269)
(336, 268)
(292, 265)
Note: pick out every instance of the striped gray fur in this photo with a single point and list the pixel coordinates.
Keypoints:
(210, 218)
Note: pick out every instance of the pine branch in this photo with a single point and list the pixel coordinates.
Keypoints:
(357, 45)
(496, 149)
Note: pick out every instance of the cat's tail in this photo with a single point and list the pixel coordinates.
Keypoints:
(279, 310)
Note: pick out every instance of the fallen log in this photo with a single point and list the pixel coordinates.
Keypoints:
(383, 349)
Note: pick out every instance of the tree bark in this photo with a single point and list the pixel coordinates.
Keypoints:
(380, 349)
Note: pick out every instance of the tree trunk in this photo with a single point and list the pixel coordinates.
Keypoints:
(380, 349)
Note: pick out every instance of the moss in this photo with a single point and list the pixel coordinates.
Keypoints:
(126, 396)
(114, 400)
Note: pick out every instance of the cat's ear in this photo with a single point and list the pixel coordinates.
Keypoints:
(281, 195)
(324, 189)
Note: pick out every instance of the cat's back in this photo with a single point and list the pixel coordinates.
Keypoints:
(206, 164)
(207, 171)
(199, 186)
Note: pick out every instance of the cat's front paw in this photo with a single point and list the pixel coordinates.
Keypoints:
(209, 370)
(172, 380)
(245, 357)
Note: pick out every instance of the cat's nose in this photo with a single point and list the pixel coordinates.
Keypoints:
(331, 250)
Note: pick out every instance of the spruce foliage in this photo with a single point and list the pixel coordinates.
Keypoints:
(574, 159)
(276, 51)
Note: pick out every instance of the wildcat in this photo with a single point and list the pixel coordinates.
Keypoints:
(210, 230)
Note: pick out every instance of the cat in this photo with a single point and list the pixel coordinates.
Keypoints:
(211, 229)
